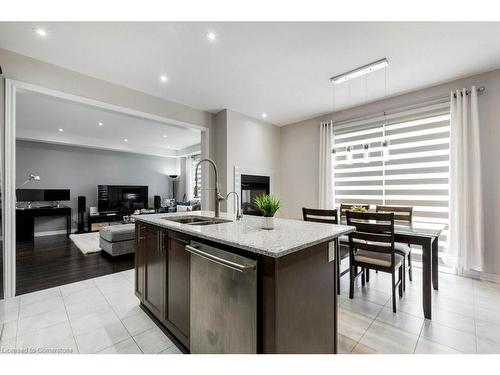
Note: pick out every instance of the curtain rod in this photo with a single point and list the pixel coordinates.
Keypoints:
(480, 90)
(426, 103)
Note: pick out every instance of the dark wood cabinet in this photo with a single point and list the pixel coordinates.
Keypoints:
(162, 277)
(154, 295)
(140, 251)
(178, 286)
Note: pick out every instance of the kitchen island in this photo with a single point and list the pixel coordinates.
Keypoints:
(228, 286)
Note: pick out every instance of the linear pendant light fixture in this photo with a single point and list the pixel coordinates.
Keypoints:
(362, 70)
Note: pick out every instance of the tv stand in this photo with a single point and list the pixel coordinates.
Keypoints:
(96, 222)
(104, 219)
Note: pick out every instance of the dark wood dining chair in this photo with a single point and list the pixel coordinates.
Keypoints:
(329, 217)
(371, 246)
(344, 240)
(402, 214)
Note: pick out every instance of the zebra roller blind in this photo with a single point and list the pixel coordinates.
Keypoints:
(398, 160)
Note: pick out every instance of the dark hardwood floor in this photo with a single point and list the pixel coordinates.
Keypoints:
(51, 261)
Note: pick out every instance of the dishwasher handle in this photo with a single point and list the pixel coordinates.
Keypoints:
(223, 262)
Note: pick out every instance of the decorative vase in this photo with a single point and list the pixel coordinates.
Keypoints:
(269, 222)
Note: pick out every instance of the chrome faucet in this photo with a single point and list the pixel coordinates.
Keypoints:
(238, 211)
(217, 197)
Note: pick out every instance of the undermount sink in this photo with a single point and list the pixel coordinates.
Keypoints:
(196, 220)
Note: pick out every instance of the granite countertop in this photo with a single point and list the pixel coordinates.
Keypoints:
(287, 237)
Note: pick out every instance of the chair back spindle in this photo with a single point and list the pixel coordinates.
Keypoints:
(320, 216)
(401, 213)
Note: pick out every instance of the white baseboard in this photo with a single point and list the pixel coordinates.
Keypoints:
(53, 232)
(491, 277)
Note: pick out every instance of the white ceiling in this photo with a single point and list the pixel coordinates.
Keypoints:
(282, 69)
(39, 118)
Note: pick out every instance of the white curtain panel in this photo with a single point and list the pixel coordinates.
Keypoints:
(326, 199)
(466, 239)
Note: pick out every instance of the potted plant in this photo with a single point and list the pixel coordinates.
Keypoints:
(356, 208)
(268, 205)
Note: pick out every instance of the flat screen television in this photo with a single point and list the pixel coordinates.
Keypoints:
(42, 195)
(121, 198)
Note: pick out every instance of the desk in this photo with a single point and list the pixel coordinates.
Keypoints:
(427, 236)
(25, 220)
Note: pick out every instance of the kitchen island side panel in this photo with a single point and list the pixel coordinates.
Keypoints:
(300, 303)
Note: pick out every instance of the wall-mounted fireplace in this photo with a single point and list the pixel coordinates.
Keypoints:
(252, 186)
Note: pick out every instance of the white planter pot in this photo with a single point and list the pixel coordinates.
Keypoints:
(268, 223)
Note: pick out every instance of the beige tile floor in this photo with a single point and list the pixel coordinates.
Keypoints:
(465, 317)
(102, 315)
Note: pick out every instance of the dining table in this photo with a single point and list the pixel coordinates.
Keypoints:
(425, 235)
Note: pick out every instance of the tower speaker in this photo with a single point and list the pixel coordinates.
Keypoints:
(82, 203)
(157, 202)
(82, 207)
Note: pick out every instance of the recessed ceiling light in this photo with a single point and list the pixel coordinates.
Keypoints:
(100, 124)
(168, 146)
(211, 36)
(264, 115)
(125, 140)
(61, 130)
(163, 78)
(40, 32)
(164, 136)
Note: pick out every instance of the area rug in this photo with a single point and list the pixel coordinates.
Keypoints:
(87, 242)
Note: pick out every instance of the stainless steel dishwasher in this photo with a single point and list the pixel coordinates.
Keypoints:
(223, 301)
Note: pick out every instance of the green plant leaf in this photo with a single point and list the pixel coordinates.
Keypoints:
(267, 204)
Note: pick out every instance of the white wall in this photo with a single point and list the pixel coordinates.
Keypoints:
(299, 153)
(299, 167)
(253, 144)
(220, 152)
(247, 143)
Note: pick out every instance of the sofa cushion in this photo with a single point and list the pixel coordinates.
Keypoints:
(116, 233)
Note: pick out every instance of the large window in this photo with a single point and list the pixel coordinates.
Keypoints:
(194, 162)
(402, 161)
